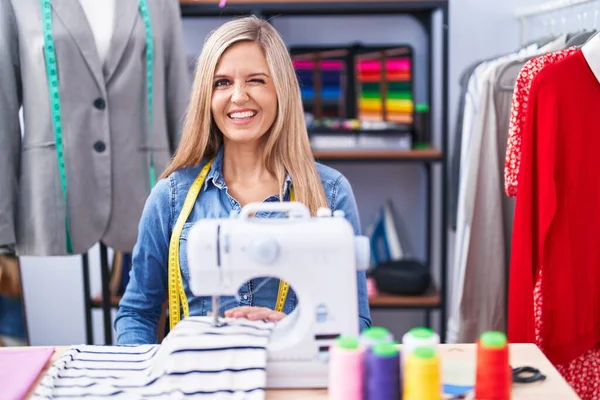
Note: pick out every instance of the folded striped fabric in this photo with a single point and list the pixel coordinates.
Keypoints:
(196, 360)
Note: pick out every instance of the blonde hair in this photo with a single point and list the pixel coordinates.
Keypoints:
(287, 147)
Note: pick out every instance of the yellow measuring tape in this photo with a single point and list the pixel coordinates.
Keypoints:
(177, 297)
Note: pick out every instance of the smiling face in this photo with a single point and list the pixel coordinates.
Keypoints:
(244, 100)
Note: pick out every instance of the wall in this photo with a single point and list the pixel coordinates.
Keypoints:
(53, 286)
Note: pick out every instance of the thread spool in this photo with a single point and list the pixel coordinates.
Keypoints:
(422, 375)
(493, 379)
(346, 369)
(383, 372)
(371, 288)
(419, 337)
(375, 334)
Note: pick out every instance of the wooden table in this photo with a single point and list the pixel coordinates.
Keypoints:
(457, 360)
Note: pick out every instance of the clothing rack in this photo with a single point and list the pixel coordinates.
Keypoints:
(544, 8)
(549, 6)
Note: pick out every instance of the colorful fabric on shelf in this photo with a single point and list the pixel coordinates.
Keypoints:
(377, 76)
(394, 105)
(324, 64)
(519, 114)
(330, 79)
(395, 81)
(326, 93)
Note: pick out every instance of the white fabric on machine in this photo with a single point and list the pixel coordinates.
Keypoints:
(196, 360)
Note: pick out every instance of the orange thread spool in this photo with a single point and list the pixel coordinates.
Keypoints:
(494, 374)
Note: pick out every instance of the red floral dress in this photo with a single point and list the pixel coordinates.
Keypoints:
(582, 373)
(519, 113)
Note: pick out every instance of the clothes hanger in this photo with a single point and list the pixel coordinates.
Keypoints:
(539, 42)
(579, 39)
(520, 62)
(509, 88)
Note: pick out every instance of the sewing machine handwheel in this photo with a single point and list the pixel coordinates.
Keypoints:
(293, 207)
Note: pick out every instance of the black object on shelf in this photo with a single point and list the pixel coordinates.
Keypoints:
(422, 126)
(402, 277)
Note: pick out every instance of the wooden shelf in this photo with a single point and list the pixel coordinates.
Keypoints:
(258, 2)
(426, 155)
(431, 299)
(203, 8)
(96, 302)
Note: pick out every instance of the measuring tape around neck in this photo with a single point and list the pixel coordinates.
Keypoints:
(55, 103)
(176, 292)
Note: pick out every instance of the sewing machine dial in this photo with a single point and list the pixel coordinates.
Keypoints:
(264, 250)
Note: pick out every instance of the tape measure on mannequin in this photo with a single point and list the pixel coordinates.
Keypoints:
(55, 105)
(176, 292)
(145, 13)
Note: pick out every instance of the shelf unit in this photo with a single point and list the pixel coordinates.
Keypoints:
(422, 10)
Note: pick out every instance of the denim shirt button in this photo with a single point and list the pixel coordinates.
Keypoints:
(245, 297)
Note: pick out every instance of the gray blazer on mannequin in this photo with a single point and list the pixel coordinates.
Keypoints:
(105, 134)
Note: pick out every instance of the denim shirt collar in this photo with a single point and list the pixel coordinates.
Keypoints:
(215, 175)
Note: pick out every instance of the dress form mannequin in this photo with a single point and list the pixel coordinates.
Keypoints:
(100, 52)
(110, 136)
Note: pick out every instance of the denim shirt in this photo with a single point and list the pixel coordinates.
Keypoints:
(141, 305)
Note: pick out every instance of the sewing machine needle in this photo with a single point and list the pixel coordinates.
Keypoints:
(215, 310)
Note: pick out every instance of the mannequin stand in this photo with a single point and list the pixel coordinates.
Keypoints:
(106, 302)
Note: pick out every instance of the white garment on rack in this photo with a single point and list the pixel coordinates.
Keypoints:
(195, 361)
(100, 15)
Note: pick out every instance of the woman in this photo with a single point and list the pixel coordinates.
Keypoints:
(245, 127)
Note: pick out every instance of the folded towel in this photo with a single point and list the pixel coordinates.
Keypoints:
(196, 360)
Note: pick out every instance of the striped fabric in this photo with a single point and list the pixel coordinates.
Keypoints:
(195, 361)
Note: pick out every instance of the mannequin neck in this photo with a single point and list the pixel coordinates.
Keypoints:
(100, 16)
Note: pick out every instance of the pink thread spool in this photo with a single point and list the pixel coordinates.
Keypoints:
(346, 369)
(222, 3)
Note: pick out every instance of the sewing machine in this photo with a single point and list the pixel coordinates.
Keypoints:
(318, 257)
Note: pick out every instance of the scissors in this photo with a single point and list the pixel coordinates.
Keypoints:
(527, 375)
